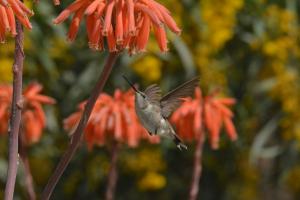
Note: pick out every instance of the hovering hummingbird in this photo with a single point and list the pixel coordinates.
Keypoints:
(153, 110)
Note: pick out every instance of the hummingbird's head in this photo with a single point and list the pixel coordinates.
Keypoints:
(140, 97)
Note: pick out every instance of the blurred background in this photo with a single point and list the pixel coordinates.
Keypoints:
(249, 49)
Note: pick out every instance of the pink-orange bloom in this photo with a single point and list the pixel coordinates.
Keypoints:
(8, 10)
(113, 118)
(33, 117)
(208, 113)
(124, 24)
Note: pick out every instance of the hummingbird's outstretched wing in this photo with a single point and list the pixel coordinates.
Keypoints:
(153, 94)
(173, 99)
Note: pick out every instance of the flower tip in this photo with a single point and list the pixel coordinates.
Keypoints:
(178, 32)
(29, 26)
(55, 21)
(119, 41)
(233, 137)
(215, 145)
(56, 2)
(105, 32)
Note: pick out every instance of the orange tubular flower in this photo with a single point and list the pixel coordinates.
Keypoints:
(113, 118)
(5, 101)
(124, 23)
(208, 113)
(33, 116)
(8, 10)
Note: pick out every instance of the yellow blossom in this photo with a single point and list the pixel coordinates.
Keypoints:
(152, 181)
(148, 67)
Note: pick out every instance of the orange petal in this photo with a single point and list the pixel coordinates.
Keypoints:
(154, 18)
(16, 8)
(56, 2)
(111, 41)
(4, 19)
(161, 38)
(143, 35)
(230, 129)
(25, 9)
(227, 101)
(224, 110)
(168, 20)
(42, 99)
(92, 7)
(100, 10)
(73, 30)
(32, 128)
(107, 19)
(67, 12)
(131, 21)
(11, 20)
(119, 23)
(118, 125)
(39, 113)
(32, 89)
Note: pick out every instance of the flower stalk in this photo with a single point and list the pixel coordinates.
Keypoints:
(15, 118)
(77, 134)
(113, 173)
(197, 169)
(28, 176)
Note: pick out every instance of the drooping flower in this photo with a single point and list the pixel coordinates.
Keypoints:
(113, 118)
(33, 117)
(123, 23)
(8, 10)
(5, 102)
(208, 113)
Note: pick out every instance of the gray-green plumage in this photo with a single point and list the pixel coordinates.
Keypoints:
(153, 110)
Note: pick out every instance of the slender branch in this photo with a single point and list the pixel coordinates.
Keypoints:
(194, 189)
(15, 117)
(113, 173)
(77, 134)
(28, 176)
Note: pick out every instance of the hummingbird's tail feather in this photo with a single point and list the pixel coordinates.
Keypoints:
(179, 143)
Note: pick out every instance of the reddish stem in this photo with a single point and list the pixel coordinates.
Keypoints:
(113, 173)
(77, 134)
(15, 118)
(194, 189)
(28, 176)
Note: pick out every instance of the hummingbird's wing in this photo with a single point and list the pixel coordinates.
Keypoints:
(173, 99)
(153, 94)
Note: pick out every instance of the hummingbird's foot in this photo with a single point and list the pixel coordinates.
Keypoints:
(179, 143)
(181, 146)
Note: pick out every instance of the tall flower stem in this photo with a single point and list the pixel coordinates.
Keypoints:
(15, 118)
(28, 176)
(77, 134)
(194, 189)
(113, 173)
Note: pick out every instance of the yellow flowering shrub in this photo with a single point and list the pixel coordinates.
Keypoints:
(152, 181)
(148, 68)
(218, 22)
(6, 70)
(147, 164)
(279, 47)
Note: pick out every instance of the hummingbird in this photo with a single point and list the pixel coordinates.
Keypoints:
(153, 110)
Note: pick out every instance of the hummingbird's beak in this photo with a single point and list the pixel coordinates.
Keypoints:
(131, 85)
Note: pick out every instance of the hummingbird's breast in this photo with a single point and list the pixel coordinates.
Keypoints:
(149, 116)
